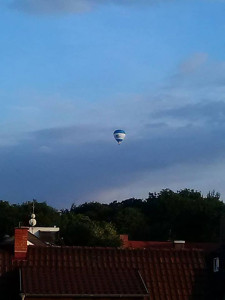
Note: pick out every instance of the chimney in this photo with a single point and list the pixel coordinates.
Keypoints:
(179, 244)
(20, 244)
(125, 241)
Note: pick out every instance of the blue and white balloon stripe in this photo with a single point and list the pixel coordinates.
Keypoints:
(119, 135)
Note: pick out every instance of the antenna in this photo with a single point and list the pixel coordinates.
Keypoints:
(33, 205)
(32, 221)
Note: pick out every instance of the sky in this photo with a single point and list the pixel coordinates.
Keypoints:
(73, 71)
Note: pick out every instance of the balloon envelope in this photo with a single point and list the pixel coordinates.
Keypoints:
(119, 135)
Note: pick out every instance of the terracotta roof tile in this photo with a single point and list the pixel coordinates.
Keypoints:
(78, 281)
(167, 273)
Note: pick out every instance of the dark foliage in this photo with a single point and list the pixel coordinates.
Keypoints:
(167, 215)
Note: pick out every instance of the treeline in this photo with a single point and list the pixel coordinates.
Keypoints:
(167, 215)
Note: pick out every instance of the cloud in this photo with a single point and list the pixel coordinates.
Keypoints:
(100, 170)
(53, 6)
(174, 139)
(69, 6)
(199, 71)
(207, 113)
(74, 135)
(175, 177)
(45, 149)
(193, 63)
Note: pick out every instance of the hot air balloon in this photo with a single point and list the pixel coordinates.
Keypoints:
(119, 135)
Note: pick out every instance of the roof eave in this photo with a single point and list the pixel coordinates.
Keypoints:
(87, 295)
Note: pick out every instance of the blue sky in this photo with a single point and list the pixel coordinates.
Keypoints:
(74, 71)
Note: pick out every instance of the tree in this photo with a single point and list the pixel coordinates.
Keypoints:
(132, 221)
(185, 214)
(80, 230)
(8, 218)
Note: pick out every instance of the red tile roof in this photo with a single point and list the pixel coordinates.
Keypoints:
(167, 273)
(9, 284)
(149, 244)
(166, 245)
(80, 281)
(170, 245)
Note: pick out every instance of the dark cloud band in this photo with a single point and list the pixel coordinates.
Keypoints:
(70, 6)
